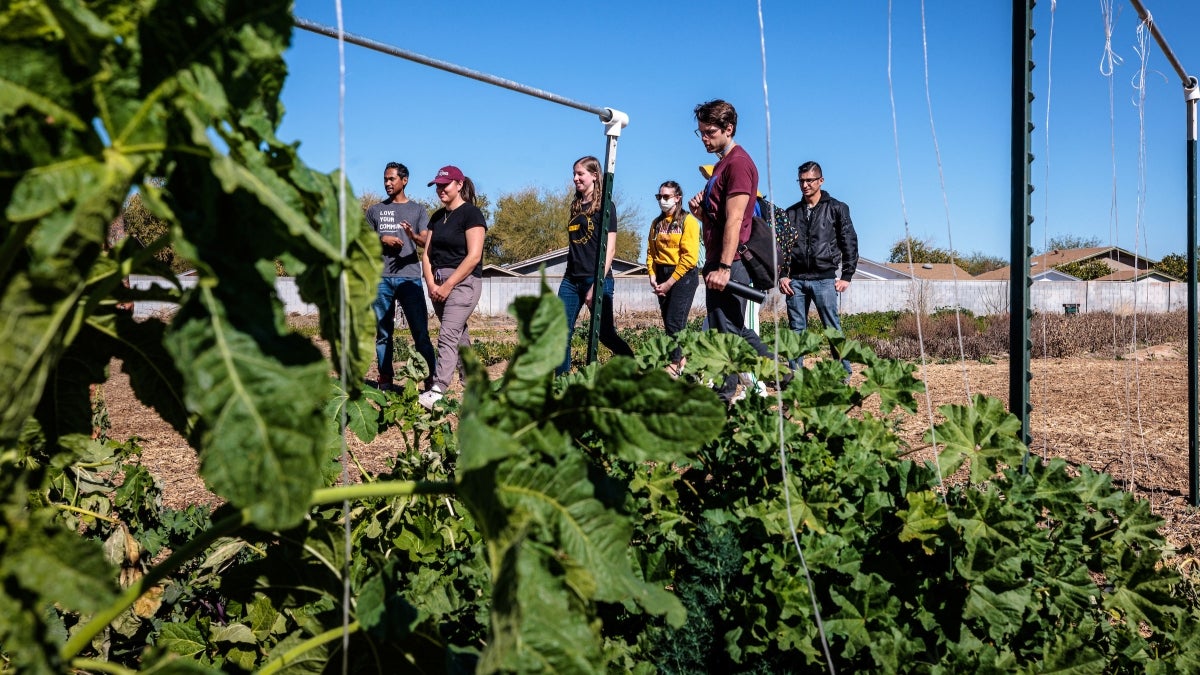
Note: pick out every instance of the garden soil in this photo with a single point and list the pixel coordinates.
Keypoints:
(1127, 417)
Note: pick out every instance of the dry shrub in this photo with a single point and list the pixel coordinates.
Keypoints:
(1052, 335)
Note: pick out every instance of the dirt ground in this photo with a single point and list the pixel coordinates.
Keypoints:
(1127, 417)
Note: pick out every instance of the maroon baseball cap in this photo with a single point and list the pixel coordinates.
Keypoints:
(447, 174)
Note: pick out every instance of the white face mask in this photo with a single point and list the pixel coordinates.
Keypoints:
(667, 206)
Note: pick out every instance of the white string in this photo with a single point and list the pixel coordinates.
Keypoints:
(1042, 395)
(343, 363)
(779, 421)
(1108, 63)
(1143, 34)
(908, 246)
(962, 351)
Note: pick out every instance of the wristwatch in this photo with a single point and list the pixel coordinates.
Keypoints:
(723, 266)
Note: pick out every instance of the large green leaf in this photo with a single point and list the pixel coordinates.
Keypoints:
(983, 433)
(642, 416)
(260, 401)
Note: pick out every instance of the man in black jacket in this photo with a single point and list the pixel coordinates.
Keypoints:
(825, 241)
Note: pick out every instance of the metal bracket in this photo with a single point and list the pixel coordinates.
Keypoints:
(615, 122)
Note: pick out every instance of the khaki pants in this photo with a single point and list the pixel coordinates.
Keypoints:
(453, 315)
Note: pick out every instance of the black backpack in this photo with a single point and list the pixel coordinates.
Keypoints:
(762, 254)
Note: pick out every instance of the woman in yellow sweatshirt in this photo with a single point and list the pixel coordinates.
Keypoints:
(671, 258)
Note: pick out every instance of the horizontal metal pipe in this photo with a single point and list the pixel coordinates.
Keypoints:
(605, 114)
(1162, 42)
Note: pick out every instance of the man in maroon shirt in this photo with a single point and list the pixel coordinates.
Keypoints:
(725, 209)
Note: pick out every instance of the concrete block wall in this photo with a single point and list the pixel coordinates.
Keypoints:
(632, 294)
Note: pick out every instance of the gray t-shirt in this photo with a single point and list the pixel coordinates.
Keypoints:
(385, 218)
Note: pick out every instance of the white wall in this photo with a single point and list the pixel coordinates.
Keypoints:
(866, 295)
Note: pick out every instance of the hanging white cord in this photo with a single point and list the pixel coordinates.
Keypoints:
(1043, 397)
(1143, 34)
(779, 421)
(1108, 63)
(962, 351)
(908, 246)
(343, 361)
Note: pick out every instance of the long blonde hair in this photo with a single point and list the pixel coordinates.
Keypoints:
(592, 166)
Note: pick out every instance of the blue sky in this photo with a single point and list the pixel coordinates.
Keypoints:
(827, 77)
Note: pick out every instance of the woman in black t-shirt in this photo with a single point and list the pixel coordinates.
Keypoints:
(452, 265)
(583, 237)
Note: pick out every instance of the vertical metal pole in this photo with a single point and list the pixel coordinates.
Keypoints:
(612, 130)
(1192, 95)
(1019, 344)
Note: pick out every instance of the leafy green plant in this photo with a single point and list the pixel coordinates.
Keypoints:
(612, 519)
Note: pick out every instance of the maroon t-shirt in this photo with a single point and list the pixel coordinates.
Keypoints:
(735, 174)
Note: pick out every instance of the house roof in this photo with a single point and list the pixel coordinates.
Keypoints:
(1138, 275)
(1052, 259)
(933, 271)
(558, 257)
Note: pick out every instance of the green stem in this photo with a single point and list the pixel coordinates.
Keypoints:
(381, 489)
(286, 658)
(193, 548)
(85, 512)
(96, 665)
(366, 477)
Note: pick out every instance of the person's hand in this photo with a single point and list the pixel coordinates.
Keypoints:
(407, 228)
(391, 240)
(785, 286)
(587, 298)
(665, 287)
(695, 203)
(841, 285)
(717, 279)
(653, 286)
(439, 292)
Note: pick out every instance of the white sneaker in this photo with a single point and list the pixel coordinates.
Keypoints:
(429, 398)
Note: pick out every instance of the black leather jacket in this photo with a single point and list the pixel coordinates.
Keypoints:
(825, 240)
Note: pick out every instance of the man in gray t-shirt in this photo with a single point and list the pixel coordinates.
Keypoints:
(402, 226)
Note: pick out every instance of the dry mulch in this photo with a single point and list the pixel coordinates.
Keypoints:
(1127, 417)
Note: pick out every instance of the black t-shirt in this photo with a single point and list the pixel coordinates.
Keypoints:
(448, 241)
(583, 242)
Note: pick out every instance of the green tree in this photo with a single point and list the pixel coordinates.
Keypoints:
(1086, 270)
(1067, 242)
(152, 232)
(923, 251)
(979, 262)
(1174, 264)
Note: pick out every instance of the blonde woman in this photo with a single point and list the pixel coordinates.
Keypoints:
(671, 257)
(452, 265)
(583, 239)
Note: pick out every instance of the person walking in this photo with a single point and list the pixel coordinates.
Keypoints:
(725, 209)
(453, 270)
(583, 240)
(402, 226)
(822, 261)
(671, 257)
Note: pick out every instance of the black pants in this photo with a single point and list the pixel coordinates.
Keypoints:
(727, 314)
(676, 304)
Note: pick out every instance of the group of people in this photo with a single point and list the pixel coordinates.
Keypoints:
(450, 265)
(815, 268)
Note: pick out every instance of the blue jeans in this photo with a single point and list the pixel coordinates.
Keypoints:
(410, 293)
(572, 292)
(819, 292)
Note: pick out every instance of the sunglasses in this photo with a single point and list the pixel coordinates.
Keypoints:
(663, 198)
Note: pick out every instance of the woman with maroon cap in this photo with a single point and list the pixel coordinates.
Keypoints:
(453, 269)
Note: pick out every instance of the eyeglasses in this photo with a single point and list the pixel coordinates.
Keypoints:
(663, 198)
(806, 181)
(707, 133)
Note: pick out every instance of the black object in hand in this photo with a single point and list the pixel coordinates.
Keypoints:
(746, 292)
